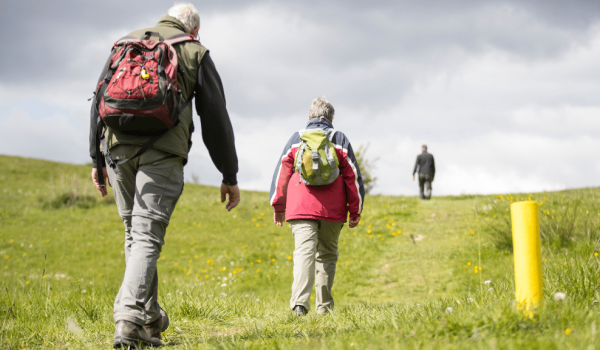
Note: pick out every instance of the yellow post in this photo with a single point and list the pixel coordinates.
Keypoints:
(528, 256)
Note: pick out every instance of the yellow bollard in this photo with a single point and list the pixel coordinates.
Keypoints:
(528, 256)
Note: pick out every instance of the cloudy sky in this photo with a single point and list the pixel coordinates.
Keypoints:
(506, 94)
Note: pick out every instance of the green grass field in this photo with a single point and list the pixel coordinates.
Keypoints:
(226, 277)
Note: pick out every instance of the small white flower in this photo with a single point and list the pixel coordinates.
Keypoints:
(560, 296)
(231, 263)
(257, 299)
(83, 291)
(246, 295)
(470, 300)
(223, 294)
(224, 285)
(487, 282)
(168, 294)
(449, 310)
(491, 289)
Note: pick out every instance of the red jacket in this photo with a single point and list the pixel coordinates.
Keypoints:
(328, 203)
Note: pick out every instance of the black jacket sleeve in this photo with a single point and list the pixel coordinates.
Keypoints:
(94, 117)
(217, 132)
(416, 166)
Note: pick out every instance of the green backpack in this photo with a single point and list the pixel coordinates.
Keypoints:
(316, 160)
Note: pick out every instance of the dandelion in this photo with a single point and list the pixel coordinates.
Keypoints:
(259, 261)
(469, 263)
(190, 260)
(353, 233)
(369, 231)
(27, 282)
(262, 214)
(206, 276)
(273, 260)
(560, 296)
(471, 232)
(595, 253)
(568, 331)
(258, 271)
(6, 257)
(289, 257)
(257, 225)
(312, 298)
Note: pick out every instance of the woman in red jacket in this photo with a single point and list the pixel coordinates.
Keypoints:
(316, 214)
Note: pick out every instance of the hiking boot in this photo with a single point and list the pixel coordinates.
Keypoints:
(299, 310)
(161, 324)
(131, 335)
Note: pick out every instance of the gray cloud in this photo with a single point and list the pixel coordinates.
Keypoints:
(400, 73)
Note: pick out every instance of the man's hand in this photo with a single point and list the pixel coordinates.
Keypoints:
(102, 189)
(354, 222)
(279, 218)
(413, 178)
(234, 196)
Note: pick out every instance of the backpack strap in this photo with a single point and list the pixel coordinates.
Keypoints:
(179, 38)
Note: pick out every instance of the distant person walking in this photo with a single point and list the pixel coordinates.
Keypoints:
(317, 181)
(142, 116)
(426, 169)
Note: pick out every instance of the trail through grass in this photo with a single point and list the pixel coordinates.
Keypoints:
(226, 277)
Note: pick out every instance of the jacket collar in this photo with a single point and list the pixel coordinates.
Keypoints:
(318, 123)
(171, 22)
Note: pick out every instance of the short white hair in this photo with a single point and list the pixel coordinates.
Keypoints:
(187, 14)
(321, 108)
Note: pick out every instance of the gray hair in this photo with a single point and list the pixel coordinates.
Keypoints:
(187, 14)
(321, 108)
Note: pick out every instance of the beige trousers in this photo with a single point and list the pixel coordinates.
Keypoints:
(315, 259)
(146, 191)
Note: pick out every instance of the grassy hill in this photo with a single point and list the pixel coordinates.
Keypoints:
(413, 274)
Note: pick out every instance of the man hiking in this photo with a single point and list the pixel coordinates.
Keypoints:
(316, 183)
(426, 168)
(142, 117)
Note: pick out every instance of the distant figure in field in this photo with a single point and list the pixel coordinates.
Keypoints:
(426, 168)
(142, 116)
(317, 180)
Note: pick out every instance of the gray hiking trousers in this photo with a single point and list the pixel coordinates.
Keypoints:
(146, 191)
(315, 259)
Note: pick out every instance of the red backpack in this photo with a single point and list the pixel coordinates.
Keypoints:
(139, 94)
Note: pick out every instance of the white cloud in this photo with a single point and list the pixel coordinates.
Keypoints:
(54, 137)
